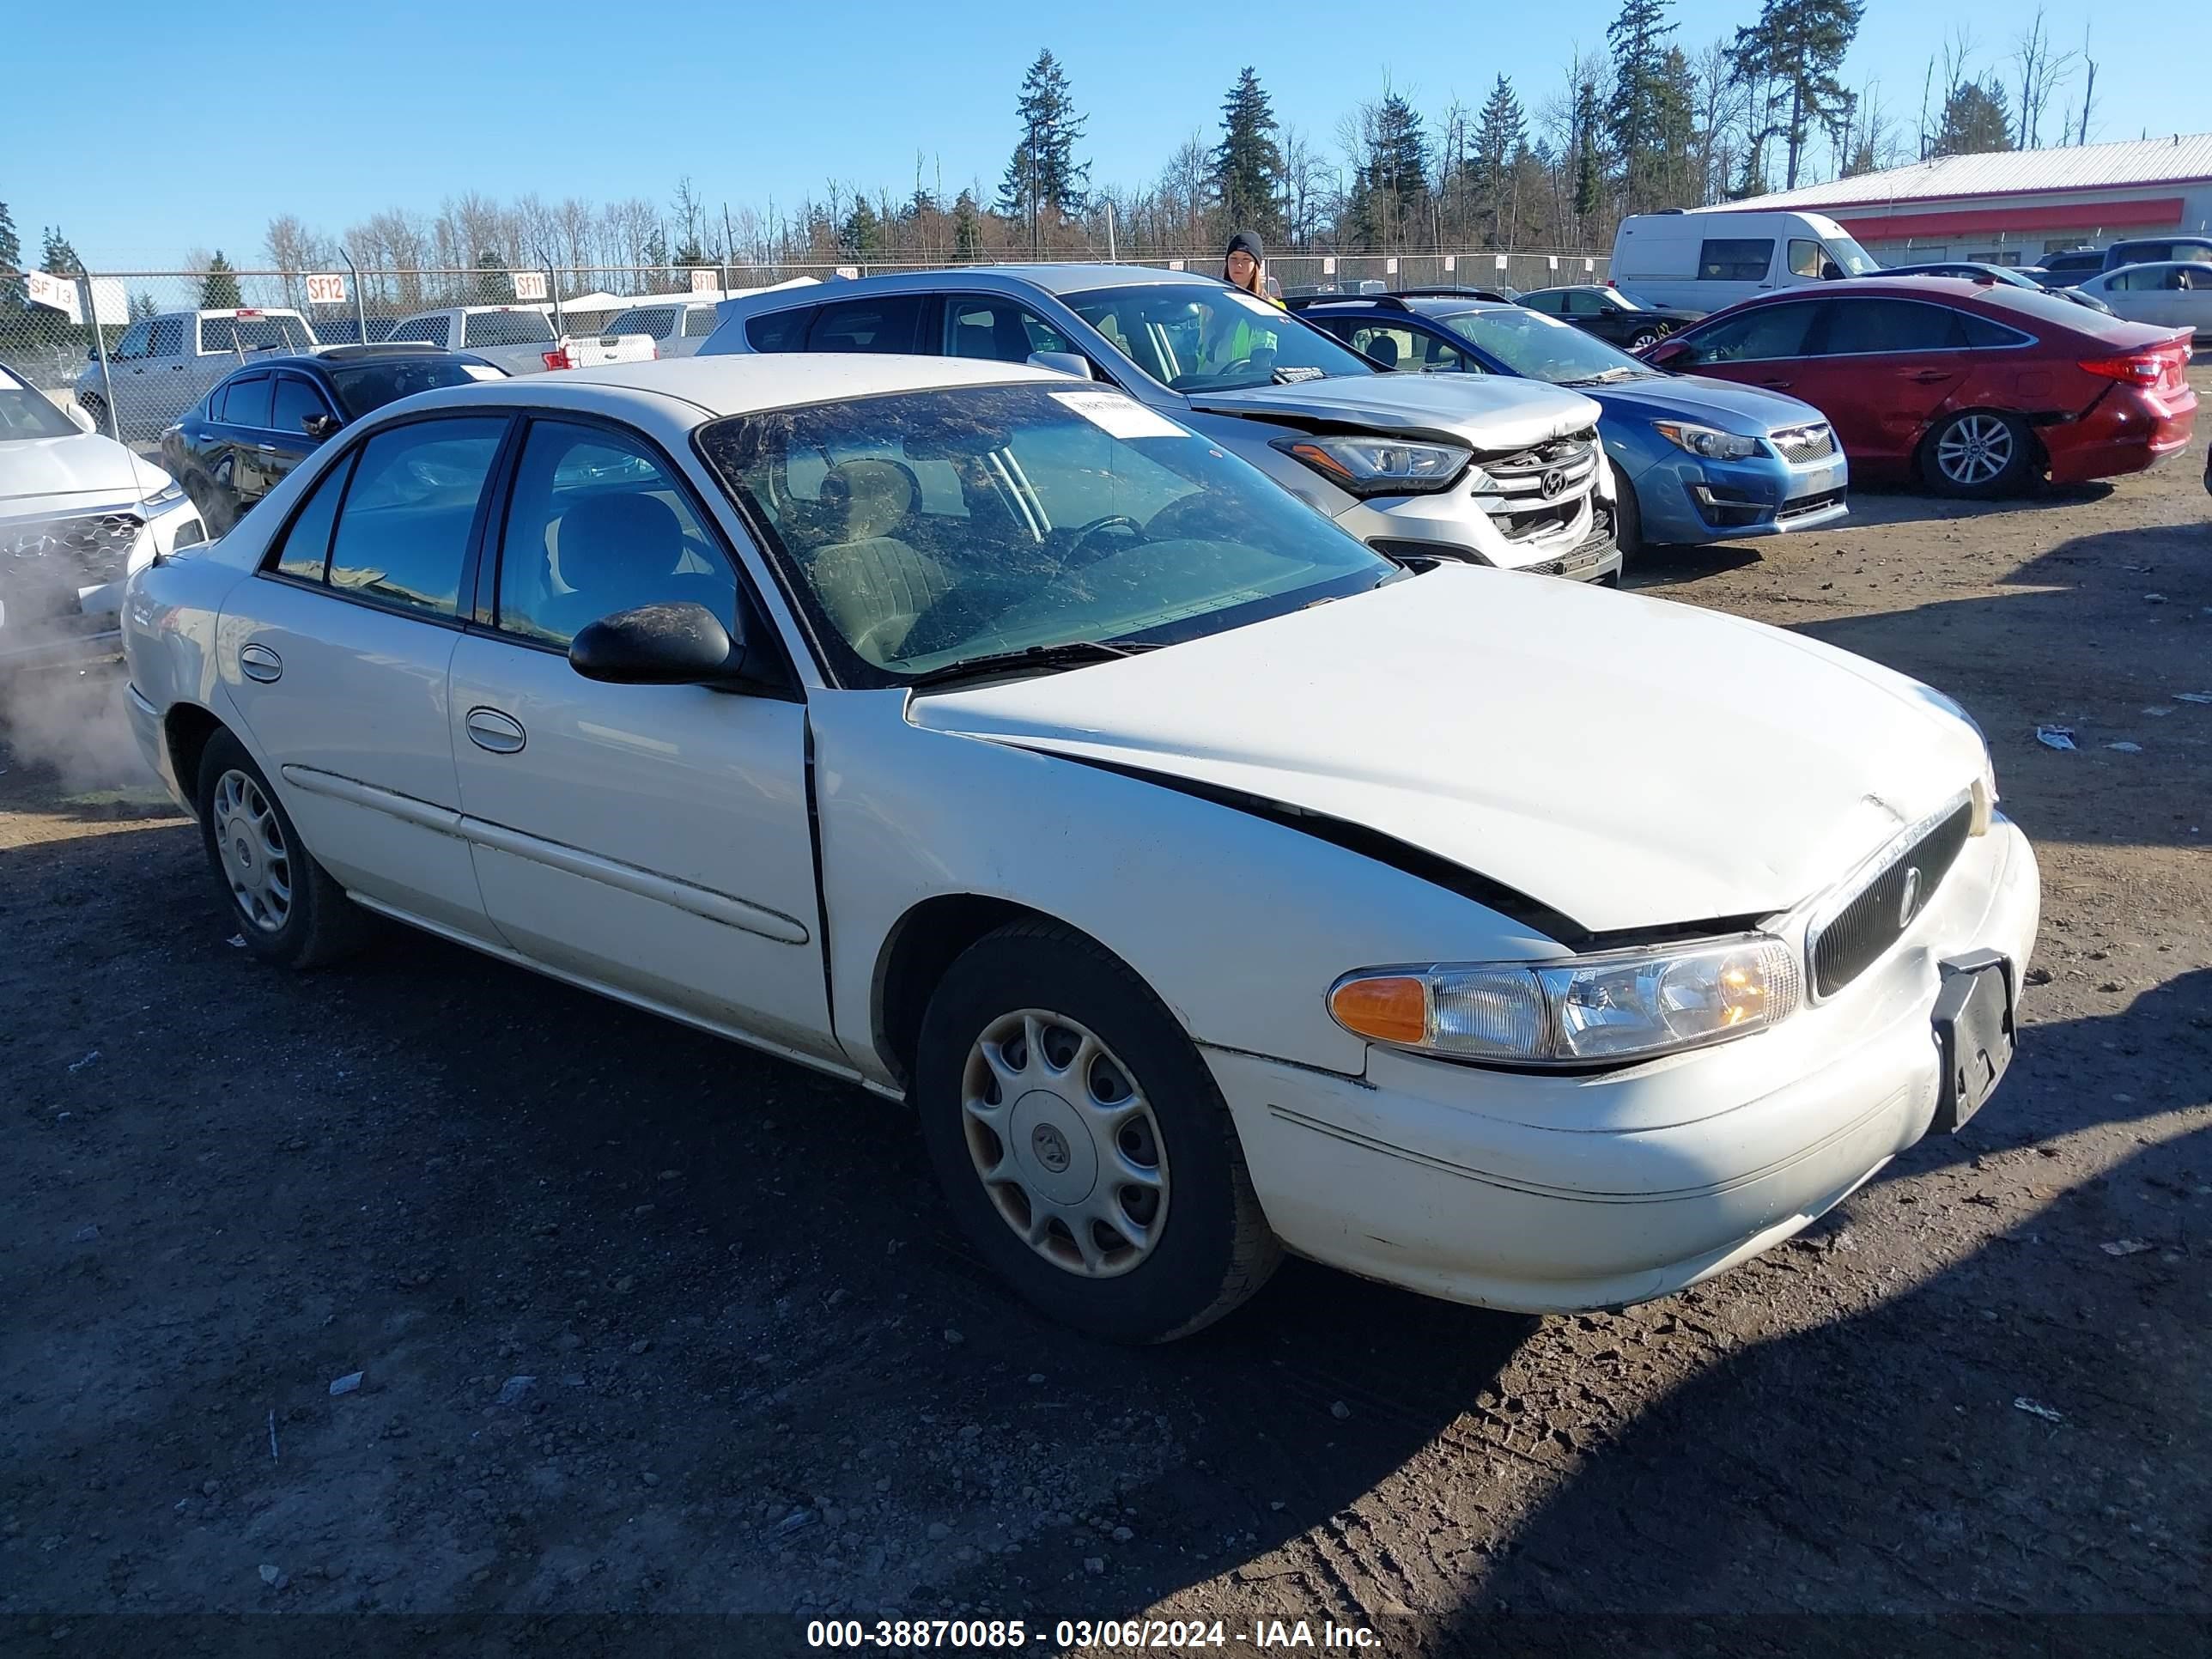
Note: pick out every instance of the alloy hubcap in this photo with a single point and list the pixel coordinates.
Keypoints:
(1064, 1143)
(255, 860)
(1975, 450)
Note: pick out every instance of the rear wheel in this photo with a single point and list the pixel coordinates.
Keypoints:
(1644, 339)
(1979, 454)
(1082, 1142)
(287, 908)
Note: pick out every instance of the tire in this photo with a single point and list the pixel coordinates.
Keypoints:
(285, 905)
(1979, 454)
(1644, 339)
(1006, 1021)
(1627, 516)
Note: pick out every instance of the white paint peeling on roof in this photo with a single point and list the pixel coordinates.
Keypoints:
(2185, 159)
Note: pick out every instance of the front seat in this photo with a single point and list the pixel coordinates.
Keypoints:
(872, 583)
(1383, 349)
(613, 553)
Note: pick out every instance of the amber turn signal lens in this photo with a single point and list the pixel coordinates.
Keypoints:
(1390, 1009)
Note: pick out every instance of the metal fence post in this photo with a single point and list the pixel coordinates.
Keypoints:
(359, 302)
(553, 288)
(99, 345)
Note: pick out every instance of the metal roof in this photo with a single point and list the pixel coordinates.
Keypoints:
(2184, 158)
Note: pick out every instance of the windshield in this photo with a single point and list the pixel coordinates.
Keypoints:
(1846, 252)
(372, 386)
(1208, 336)
(25, 413)
(923, 529)
(1539, 348)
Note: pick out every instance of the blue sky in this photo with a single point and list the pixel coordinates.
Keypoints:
(332, 112)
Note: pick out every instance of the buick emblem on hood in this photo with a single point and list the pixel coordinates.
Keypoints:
(1552, 482)
(1910, 901)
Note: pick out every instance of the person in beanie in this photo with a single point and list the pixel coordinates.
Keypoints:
(1245, 266)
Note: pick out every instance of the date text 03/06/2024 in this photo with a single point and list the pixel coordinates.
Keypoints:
(1077, 1634)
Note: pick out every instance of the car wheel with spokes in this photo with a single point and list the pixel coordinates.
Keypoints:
(1979, 454)
(287, 907)
(1081, 1141)
(1644, 339)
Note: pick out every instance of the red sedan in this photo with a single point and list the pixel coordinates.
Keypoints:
(1974, 387)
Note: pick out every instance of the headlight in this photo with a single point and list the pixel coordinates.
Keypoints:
(1613, 1006)
(1379, 466)
(1985, 790)
(171, 495)
(1708, 442)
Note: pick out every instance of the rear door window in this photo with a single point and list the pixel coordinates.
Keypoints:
(780, 331)
(1871, 327)
(423, 331)
(404, 534)
(890, 323)
(305, 550)
(245, 402)
(506, 328)
(1734, 259)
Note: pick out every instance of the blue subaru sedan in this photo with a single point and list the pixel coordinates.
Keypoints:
(1694, 459)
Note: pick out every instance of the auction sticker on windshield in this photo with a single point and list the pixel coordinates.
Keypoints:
(1118, 416)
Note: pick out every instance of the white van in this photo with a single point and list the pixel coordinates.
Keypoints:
(1710, 258)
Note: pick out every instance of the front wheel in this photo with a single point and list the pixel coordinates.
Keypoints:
(1627, 516)
(1644, 339)
(1979, 454)
(1081, 1142)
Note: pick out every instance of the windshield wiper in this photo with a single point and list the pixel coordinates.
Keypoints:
(1601, 379)
(1072, 653)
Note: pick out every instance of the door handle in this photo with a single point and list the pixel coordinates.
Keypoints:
(266, 449)
(502, 734)
(258, 662)
(1929, 376)
(1775, 385)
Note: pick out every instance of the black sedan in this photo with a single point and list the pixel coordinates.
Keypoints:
(236, 443)
(1975, 271)
(1609, 314)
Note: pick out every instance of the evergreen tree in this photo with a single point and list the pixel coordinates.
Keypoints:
(1975, 120)
(967, 226)
(58, 257)
(1589, 155)
(12, 302)
(1248, 165)
(219, 286)
(861, 235)
(1637, 116)
(1501, 136)
(140, 306)
(1044, 183)
(1796, 47)
(1390, 194)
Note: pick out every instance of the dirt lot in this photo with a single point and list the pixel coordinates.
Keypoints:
(648, 1324)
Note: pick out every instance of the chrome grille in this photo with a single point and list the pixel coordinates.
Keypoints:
(1860, 924)
(45, 562)
(1537, 493)
(1801, 443)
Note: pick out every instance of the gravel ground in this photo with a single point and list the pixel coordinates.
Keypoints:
(645, 1323)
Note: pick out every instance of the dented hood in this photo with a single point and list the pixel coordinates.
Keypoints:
(1629, 762)
(1491, 412)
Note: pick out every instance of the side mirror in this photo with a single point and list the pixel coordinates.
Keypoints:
(682, 644)
(1831, 271)
(1668, 354)
(83, 416)
(1064, 362)
(320, 427)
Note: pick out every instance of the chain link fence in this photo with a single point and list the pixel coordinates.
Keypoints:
(133, 350)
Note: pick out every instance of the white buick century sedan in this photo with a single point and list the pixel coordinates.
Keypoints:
(1209, 885)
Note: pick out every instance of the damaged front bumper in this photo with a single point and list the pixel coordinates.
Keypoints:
(62, 573)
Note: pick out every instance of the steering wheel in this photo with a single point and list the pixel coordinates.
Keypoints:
(1081, 535)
